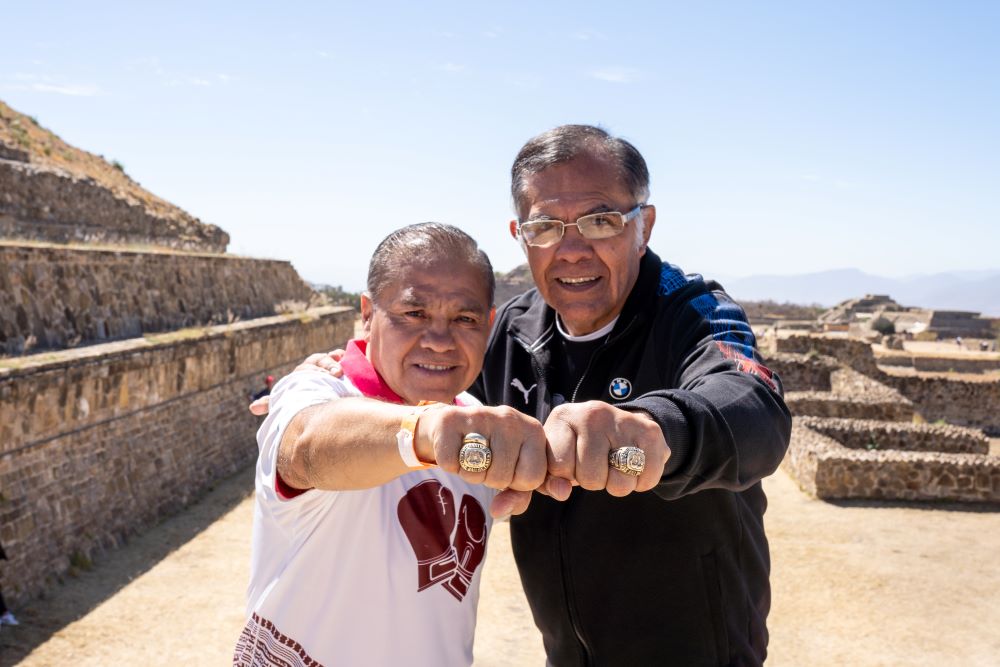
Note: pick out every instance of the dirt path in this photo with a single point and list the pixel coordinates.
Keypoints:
(853, 585)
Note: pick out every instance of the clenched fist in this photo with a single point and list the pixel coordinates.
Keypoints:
(581, 435)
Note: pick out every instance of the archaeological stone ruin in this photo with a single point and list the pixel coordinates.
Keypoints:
(130, 343)
(862, 315)
(864, 430)
(897, 425)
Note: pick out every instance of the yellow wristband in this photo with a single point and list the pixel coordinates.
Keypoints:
(405, 436)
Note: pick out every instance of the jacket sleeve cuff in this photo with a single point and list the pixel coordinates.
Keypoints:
(673, 423)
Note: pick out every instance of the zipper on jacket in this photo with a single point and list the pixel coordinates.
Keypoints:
(568, 593)
(574, 620)
(586, 370)
(593, 356)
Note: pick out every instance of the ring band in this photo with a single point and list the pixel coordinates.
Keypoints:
(475, 454)
(630, 460)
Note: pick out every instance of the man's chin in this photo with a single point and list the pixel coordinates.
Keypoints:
(442, 394)
(580, 318)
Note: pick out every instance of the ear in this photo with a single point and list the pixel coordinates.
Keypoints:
(493, 314)
(367, 310)
(648, 219)
(513, 234)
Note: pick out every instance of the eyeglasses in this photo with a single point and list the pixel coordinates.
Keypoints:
(544, 233)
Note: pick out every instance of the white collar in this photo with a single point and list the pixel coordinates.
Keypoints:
(594, 335)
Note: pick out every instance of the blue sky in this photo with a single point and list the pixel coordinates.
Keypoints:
(781, 137)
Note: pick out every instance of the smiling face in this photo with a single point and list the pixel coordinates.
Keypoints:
(586, 281)
(427, 334)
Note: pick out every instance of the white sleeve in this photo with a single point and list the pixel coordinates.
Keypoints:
(293, 394)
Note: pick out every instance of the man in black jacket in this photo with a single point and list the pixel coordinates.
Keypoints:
(658, 556)
(614, 349)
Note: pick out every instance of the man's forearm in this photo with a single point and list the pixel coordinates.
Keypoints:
(349, 443)
(729, 439)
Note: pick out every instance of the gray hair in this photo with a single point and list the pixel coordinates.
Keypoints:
(563, 143)
(423, 244)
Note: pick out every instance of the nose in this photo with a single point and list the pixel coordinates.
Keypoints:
(438, 336)
(573, 247)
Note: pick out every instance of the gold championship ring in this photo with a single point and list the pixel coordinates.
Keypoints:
(629, 460)
(475, 454)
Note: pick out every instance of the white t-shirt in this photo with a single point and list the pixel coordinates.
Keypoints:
(382, 576)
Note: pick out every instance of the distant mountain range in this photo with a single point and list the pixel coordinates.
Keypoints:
(961, 290)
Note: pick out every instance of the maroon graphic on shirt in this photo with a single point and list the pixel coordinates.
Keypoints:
(470, 545)
(427, 515)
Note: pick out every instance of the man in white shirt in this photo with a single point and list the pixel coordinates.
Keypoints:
(369, 533)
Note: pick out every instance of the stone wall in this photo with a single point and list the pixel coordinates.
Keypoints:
(895, 360)
(952, 323)
(830, 404)
(8, 152)
(853, 353)
(99, 442)
(872, 435)
(974, 404)
(849, 382)
(971, 403)
(946, 365)
(848, 394)
(802, 372)
(48, 204)
(926, 364)
(59, 297)
(827, 469)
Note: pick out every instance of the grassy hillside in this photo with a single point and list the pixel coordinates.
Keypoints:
(23, 134)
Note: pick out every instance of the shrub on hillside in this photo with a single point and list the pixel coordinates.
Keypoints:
(884, 326)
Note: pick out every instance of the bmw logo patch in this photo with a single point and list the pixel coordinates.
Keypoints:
(620, 388)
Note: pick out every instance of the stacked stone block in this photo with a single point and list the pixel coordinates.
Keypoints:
(939, 364)
(57, 297)
(827, 468)
(803, 371)
(854, 434)
(966, 402)
(818, 385)
(48, 204)
(129, 349)
(97, 443)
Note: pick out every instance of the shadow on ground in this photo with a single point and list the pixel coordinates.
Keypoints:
(113, 570)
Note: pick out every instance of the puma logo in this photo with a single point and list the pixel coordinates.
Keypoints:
(516, 384)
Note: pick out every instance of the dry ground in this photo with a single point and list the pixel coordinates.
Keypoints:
(854, 584)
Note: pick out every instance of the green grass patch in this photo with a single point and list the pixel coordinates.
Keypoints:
(175, 336)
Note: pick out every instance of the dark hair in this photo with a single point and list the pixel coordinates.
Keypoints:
(422, 244)
(563, 143)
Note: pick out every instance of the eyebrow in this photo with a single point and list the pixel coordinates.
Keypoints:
(475, 309)
(412, 301)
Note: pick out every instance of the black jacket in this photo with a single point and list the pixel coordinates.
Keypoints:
(679, 575)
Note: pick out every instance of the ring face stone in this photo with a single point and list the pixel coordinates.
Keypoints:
(475, 454)
(629, 460)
